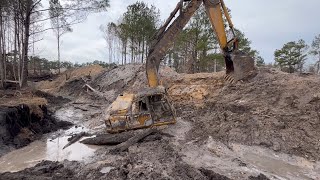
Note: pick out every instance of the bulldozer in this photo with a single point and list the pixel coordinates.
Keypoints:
(152, 106)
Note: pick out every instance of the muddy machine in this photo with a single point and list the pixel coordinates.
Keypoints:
(152, 107)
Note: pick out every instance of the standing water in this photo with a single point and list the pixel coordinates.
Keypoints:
(47, 149)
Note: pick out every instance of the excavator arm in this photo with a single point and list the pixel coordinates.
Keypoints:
(167, 34)
(165, 38)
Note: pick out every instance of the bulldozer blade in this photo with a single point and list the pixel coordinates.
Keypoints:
(243, 66)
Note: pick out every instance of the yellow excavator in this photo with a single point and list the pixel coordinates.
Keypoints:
(152, 106)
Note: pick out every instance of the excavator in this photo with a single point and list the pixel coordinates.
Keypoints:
(152, 106)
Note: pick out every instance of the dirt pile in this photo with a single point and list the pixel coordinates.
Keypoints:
(128, 78)
(275, 109)
(195, 88)
(69, 76)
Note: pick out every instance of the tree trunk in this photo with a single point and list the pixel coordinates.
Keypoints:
(125, 53)
(58, 52)
(1, 57)
(138, 51)
(40, 68)
(15, 48)
(132, 53)
(19, 62)
(318, 68)
(25, 44)
(142, 54)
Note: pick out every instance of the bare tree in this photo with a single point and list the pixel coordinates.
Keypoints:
(58, 23)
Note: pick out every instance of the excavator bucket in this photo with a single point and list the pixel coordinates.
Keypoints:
(151, 107)
(241, 66)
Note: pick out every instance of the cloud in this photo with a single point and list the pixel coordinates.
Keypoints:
(268, 24)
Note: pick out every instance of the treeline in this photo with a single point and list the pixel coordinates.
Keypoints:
(42, 66)
(195, 50)
(22, 25)
(293, 55)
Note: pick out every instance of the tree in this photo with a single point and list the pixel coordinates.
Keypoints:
(292, 55)
(137, 27)
(259, 61)
(315, 51)
(58, 23)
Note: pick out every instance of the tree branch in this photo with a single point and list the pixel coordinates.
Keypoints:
(76, 9)
(34, 5)
(52, 28)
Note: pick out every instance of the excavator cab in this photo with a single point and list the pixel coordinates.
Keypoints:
(152, 106)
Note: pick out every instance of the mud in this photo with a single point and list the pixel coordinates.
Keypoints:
(276, 110)
(43, 170)
(21, 125)
(264, 128)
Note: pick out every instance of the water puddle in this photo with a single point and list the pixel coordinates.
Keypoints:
(106, 170)
(47, 149)
(69, 114)
(238, 161)
(278, 164)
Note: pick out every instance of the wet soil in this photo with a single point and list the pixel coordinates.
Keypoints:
(131, 166)
(25, 117)
(265, 128)
(276, 110)
(21, 125)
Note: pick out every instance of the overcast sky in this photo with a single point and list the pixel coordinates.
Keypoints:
(268, 24)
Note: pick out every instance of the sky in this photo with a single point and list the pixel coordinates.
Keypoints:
(267, 24)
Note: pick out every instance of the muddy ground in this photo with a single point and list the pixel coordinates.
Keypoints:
(265, 128)
(24, 118)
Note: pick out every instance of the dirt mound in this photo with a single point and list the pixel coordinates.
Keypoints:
(68, 76)
(128, 78)
(275, 109)
(195, 88)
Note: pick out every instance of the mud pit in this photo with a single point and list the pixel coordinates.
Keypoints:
(24, 119)
(266, 128)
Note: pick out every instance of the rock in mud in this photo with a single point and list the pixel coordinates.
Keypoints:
(259, 177)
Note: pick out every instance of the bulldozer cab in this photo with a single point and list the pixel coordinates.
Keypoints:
(147, 108)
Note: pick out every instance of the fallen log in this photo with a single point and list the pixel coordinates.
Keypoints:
(11, 81)
(75, 138)
(108, 139)
(125, 145)
(81, 108)
(97, 93)
(115, 139)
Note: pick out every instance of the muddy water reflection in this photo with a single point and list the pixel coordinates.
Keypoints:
(50, 149)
